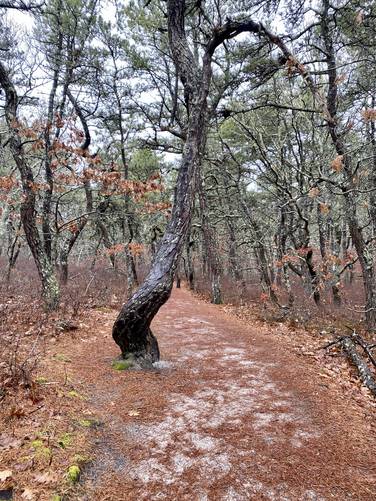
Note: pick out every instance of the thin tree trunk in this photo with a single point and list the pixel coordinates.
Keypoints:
(50, 286)
(366, 264)
(210, 246)
(84, 147)
(190, 271)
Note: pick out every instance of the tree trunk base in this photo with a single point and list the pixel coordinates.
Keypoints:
(142, 347)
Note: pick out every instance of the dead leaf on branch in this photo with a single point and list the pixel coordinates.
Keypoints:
(369, 115)
(359, 17)
(314, 192)
(340, 79)
(324, 208)
(337, 163)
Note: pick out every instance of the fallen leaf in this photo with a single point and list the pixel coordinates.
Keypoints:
(4, 474)
(9, 442)
(133, 413)
(28, 494)
(45, 478)
(24, 466)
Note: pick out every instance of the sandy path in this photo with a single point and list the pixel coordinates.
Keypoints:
(230, 415)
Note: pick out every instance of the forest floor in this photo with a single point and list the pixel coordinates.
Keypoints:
(234, 411)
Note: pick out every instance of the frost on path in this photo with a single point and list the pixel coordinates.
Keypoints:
(205, 438)
(230, 413)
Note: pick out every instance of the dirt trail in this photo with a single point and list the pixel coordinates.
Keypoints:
(229, 415)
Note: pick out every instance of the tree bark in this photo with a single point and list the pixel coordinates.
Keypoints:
(189, 266)
(50, 286)
(364, 372)
(131, 330)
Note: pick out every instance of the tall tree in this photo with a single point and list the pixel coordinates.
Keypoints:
(131, 330)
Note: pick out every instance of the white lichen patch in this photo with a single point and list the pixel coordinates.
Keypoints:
(300, 437)
(215, 466)
(203, 442)
(181, 462)
(163, 364)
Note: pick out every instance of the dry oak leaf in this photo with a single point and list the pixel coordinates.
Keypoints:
(5, 474)
(314, 192)
(369, 114)
(324, 209)
(28, 494)
(359, 17)
(337, 163)
(9, 442)
(46, 478)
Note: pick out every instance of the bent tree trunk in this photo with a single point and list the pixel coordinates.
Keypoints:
(131, 330)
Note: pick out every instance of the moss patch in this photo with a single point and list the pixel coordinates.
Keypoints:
(75, 394)
(81, 459)
(73, 473)
(89, 422)
(41, 451)
(121, 365)
(65, 440)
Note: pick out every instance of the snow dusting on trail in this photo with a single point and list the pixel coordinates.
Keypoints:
(227, 415)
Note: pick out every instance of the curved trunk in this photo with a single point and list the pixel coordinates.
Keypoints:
(131, 330)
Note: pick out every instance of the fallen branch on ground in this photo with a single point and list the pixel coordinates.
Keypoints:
(348, 345)
(364, 372)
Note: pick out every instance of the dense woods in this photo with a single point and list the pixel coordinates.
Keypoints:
(225, 148)
(259, 117)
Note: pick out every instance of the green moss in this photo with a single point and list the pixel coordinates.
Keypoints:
(36, 444)
(81, 460)
(62, 358)
(89, 422)
(65, 440)
(121, 365)
(73, 473)
(56, 497)
(41, 451)
(75, 394)
(41, 380)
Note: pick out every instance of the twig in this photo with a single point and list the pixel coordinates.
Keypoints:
(35, 410)
(332, 343)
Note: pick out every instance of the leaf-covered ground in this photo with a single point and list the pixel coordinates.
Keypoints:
(237, 409)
